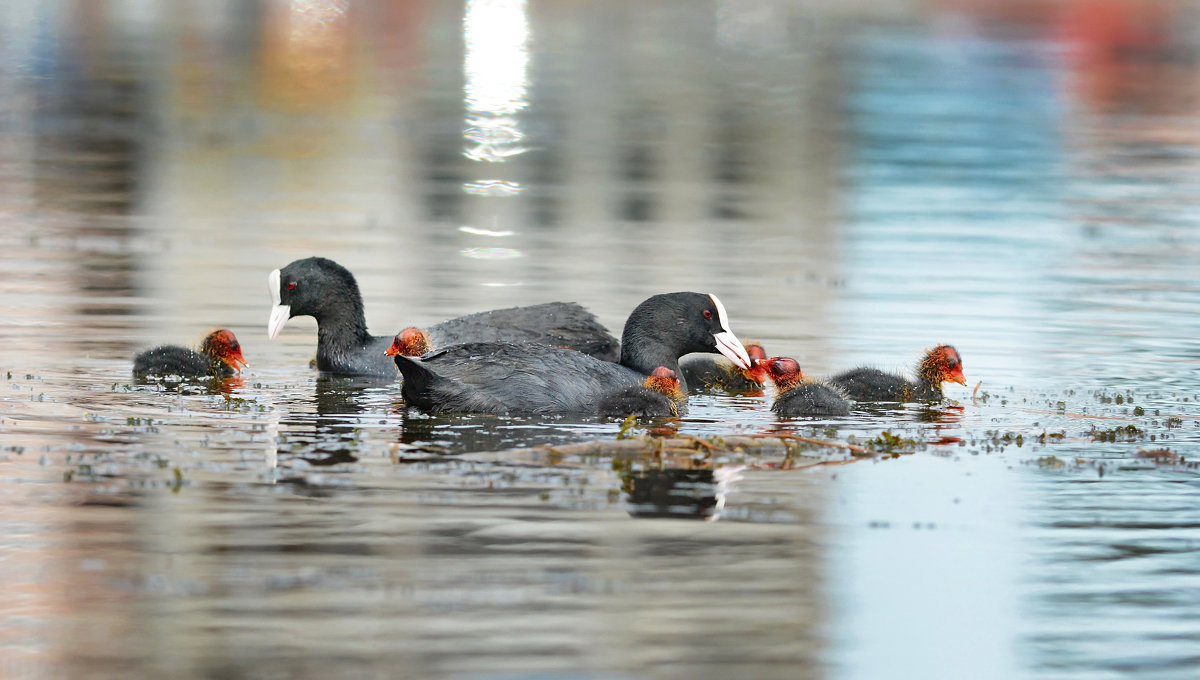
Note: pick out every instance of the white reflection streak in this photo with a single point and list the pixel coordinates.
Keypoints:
(724, 477)
(496, 33)
(486, 232)
(492, 187)
(496, 36)
(490, 253)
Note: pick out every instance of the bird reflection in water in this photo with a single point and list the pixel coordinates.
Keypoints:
(333, 436)
(943, 417)
(679, 493)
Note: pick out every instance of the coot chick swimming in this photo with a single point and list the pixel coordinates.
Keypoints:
(800, 397)
(509, 378)
(658, 395)
(323, 289)
(219, 356)
(410, 342)
(940, 364)
(706, 372)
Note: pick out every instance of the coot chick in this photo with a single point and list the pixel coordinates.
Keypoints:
(941, 364)
(658, 395)
(219, 356)
(323, 289)
(410, 342)
(705, 372)
(524, 378)
(800, 397)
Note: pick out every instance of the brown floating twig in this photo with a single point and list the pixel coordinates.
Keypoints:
(821, 442)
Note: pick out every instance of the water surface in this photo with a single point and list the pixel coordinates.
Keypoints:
(856, 184)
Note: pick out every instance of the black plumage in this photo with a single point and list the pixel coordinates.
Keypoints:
(323, 289)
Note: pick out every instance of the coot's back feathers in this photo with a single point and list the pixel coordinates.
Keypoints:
(323, 289)
(872, 384)
(176, 360)
(811, 399)
(510, 379)
(558, 324)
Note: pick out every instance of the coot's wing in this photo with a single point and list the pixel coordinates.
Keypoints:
(558, 324)
(521, 378)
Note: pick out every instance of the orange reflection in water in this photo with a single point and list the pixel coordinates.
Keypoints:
(306, 55)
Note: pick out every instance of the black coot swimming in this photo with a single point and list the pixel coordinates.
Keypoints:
(507, 378)
(704, 372)
(323, 289)
(658, 395)
(940, 364)
(219, 356)
(800, 397)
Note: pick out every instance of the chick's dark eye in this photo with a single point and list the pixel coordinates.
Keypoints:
(708, 313)
(291, 285)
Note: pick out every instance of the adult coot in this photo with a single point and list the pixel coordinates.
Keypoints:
(800, 397)
(219, 356)
(940, 364)
(323, 289)
(658, 395)
(706, 372)
(510, 378)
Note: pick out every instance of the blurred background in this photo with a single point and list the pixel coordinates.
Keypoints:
(856, 180)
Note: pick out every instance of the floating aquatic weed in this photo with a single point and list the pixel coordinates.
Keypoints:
(1125, 433)
(894, 444)
(1052, 437)
(1050, 463)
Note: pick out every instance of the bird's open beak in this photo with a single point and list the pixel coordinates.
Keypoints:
(731, 347)
(235, 360)
(280, 313)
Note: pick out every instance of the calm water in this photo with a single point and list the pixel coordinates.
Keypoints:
(856, 183)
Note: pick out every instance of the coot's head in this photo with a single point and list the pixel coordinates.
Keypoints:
(314, 286)
(665, 327)
(755, 351)
(223, 346)
(758, 368)
(784, 372)
(410, 342)
(663, 379)
(942, 364)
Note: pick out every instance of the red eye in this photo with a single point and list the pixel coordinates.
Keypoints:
(708, 313)
(291, 285)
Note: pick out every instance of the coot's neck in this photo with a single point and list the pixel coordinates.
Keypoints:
(643, 352)
(929, 379)
(217, 367)
(341, 326)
